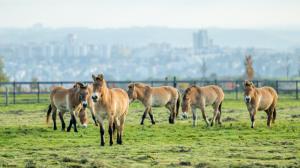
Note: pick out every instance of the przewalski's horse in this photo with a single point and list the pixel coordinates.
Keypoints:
(114, 102)
(155, 97)
(73, 100)
(258, 99)
(199, 97)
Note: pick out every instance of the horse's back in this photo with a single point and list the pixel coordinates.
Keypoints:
(58, 96)
(120, 97)
(268, 92)
(213, 92)
(163, 95)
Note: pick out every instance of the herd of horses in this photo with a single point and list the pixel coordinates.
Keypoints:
(113, 103)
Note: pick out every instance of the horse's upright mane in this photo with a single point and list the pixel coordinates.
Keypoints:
(140, 85)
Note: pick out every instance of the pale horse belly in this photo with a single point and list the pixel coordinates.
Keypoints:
(158, 101)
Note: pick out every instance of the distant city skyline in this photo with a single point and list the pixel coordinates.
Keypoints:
(275, 14)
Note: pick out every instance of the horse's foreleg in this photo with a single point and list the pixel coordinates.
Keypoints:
(145, 114)
(151, 116)
(93, 115)
(54, 119)
(204, 115)
(194, 117)
(252, 117)
(74, 123)
(63, 125)
(110, 130)
(100, 121)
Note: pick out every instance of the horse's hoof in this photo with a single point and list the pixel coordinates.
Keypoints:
(102, 144)
(142, 123)
(54, 128)
(75, 131)
(153, 123)
(111, 143)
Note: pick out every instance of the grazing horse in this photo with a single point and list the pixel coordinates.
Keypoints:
(73, 100)
(199, 97)
(114, 102)
(155, 97)
(258, 99)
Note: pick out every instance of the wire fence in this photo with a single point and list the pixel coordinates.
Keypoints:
(38, 92)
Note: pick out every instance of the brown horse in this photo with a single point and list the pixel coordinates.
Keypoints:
(200, 97)
(258, 99)
(73, 100)
(155, 97)
(114, 102)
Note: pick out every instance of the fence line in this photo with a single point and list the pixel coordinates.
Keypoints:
(25, 92)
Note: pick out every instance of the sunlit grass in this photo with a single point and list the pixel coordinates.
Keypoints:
(26, 140)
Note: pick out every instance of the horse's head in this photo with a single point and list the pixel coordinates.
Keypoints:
(186, 102)
(83, 117)
(249, 90)
(132, 92)
(98, 86)
(82, 92)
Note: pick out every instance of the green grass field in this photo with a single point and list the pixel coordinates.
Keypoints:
(26, 140)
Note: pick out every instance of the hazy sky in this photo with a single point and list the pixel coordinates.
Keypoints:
(171, 13)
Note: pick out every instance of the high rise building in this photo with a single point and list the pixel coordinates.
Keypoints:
(201, 41)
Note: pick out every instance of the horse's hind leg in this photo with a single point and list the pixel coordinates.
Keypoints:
(274, 116)
(270, 116)
(194, 117)
(145, 114)
(121, 129)
(216, 113)
(219, 114)
(54, 118)
(61, 117)
(151, 116)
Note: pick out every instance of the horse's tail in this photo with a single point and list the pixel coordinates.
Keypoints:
(220, 109)
(48, 113)
(178, 103)
(274, 115)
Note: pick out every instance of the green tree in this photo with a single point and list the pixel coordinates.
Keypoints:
(3, 76)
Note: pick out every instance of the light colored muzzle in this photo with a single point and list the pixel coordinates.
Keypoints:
(84, 104)
(184, 115)
(95, 97)
(84, 125)
(247, 99)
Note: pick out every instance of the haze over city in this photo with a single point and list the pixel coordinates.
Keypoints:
(137, 40)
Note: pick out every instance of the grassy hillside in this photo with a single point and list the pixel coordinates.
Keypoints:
(25, 140)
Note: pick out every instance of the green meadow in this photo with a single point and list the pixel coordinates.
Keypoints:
(27, 141)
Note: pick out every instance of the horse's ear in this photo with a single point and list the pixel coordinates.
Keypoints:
(94, 77)
(248, 84)
(131, 86)
(100, 77)
(76, 85)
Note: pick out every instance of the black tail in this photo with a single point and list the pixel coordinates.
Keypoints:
(220, 110)
(48, 113)
(274, 115)
(178, 103)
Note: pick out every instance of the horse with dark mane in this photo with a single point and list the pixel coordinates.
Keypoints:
(260, 99)
(155, 97)
(73, 100)
(199, 97)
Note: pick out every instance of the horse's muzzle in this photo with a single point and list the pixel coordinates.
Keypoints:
(84, 104)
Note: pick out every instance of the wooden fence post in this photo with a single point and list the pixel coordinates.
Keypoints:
(14, 92)
(38, 92)
(297, 96)
(6, 96)
(174, 82)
